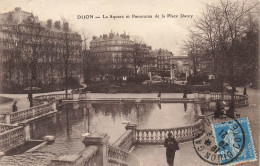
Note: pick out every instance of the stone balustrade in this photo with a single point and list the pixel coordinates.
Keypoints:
(6, 127)
(52, 97)
(126, 141)
(12, 138)
(19, 116)
(157, 136)
(116, 156)
(240, 100)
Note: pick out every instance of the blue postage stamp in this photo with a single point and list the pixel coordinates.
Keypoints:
(234, 140)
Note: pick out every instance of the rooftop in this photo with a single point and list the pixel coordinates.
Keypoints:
(111, 36)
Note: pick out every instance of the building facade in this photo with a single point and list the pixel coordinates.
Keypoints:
(161, 65)
(113, 52)
(36, 52)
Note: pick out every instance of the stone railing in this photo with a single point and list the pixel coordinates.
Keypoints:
(86, 158)
(2, 118)
(51, 97)
(157, 136)
(12, 138)
(126, 141)
(240, 100)
(85, 95)
(19, 116)
(6, 127)
(116, 156)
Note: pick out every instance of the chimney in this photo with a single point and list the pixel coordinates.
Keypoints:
(105, 36)
(57, 25)
(49, 23)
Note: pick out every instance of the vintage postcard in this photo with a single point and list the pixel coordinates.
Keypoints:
(129, 82)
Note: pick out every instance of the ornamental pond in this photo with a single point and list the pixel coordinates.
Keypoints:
(74, 119)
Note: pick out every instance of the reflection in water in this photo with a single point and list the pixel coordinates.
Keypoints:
(185, 107)
(67, 123)
(159, 106)
(74, 120)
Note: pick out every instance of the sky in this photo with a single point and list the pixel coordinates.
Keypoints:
(167, 33)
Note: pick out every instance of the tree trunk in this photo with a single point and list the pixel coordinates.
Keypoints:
(66, 79)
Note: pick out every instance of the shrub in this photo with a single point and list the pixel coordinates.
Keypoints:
(137, 79)
(197, 79)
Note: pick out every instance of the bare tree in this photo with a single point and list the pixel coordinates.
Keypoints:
(222, 27)
(139, 54)
(33, 41)
(71, 45)
(194, 48)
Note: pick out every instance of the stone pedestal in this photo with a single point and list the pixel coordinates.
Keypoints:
(88, 96)
(150, 75)
(27, 133)
(132, 126)
(202, 96)
(208, 96)
(100, 140)
(196, 95)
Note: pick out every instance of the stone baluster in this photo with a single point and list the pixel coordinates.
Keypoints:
(142, 136)
(161, 136)
(100, 140)
(165, 134)
(156, 136)
(147, 135)
(152, 136)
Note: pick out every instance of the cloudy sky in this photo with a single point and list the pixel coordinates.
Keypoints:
(167, 33)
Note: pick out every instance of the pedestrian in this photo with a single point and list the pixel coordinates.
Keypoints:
(159, 96)
(245, 92)
(14, 106)
(30, 98)
(217, 112)
(171, 146)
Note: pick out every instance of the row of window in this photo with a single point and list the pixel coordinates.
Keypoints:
(26, 29)
(111, 42)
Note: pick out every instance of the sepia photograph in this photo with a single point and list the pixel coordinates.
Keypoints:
(129, 82)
